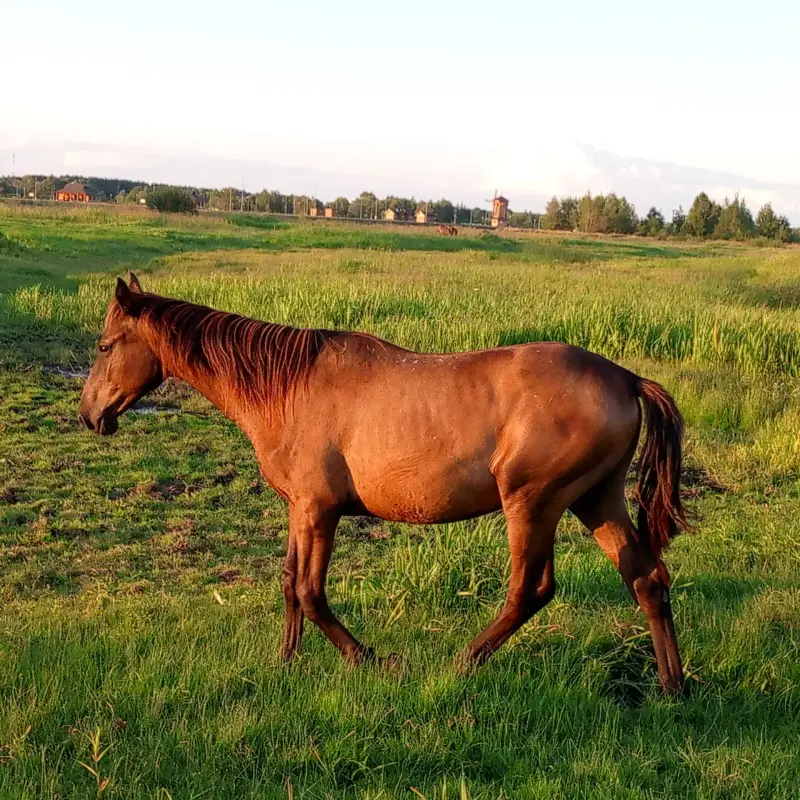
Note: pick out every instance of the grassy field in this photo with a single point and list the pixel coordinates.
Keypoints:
(142, 611)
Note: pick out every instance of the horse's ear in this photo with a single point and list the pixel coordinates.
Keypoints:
(125, 298)
(133, 283)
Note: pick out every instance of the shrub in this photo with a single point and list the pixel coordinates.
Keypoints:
(172, 200)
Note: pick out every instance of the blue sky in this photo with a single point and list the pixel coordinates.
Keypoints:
(651, 100)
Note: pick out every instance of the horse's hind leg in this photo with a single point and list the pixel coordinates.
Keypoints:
(532, 584)
(602, 509)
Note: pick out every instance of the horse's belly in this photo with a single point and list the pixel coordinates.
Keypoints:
(414, 489)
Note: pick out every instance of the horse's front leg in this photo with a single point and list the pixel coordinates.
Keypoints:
(293, 630)
(312, 526)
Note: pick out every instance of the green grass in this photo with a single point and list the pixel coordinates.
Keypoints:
(140, 574)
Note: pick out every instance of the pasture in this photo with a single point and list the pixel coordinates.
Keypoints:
(139, 574)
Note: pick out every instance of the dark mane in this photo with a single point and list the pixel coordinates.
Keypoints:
(264, 363)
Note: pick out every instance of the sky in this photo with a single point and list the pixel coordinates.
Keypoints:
(656, 101)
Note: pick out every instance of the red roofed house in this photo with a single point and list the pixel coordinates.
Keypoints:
(74, 192)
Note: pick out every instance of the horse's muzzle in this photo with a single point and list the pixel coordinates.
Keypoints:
(105, 425)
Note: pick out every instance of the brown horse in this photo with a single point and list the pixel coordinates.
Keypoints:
(448, 230)
(346, 423)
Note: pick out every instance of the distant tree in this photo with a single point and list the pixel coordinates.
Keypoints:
(463, 215)
(571, 211)
(653, 223)
(771, 226)
(45, 188)
(218, 200)
(364, 206)
(441, 210)
(302, 204)
(552, 215)
(171, 199)
(342, 206)
(27, 183)
(735, 221)
(591, 214)
(678, 222)
(560, 215)
(280, 203)
(618, 214)
(134, 195)
(520, 219)
(476, 215)
(702, 217)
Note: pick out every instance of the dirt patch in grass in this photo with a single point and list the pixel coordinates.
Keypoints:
(11, 496)
(696, 481)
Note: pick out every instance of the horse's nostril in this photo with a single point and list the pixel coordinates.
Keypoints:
(85, 421)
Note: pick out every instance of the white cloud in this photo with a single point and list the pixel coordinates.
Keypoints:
(544, 168)
(530, 178)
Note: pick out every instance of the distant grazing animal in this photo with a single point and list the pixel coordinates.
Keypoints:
(349, 424)
(448, 230)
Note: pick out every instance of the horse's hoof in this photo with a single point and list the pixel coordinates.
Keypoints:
(360, 657)
(396, 663)
(674, 687)
(288, 656)
(466, 662)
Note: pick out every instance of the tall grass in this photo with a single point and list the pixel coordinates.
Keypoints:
(438, 314)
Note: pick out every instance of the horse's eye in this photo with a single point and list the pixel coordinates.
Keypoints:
(104, 348)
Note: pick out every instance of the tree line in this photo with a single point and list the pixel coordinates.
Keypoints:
(706, 219)
(366, 205)
(609, 213)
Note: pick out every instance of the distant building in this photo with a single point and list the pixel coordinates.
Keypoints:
(330, 212)
(313, 211)
(397, 215)
(75, 192)
(422, 216)
(500, 212)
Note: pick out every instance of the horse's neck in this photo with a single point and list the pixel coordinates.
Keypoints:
(214, 387)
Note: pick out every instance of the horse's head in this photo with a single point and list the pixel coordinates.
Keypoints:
(125, 368)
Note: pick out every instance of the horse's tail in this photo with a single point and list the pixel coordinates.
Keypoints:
(658, 491)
